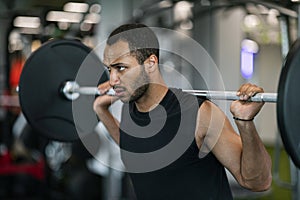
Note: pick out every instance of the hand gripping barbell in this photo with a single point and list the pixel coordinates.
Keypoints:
(50, 83)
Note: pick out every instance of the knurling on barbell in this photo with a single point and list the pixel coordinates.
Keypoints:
(44, 100)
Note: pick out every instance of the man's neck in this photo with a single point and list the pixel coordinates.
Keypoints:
(152, 98)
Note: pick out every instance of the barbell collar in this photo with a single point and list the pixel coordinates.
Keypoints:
(72, 90)
(68, 90)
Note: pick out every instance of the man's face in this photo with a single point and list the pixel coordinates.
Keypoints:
(128, 78)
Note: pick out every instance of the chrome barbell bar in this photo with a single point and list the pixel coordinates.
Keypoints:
(73, 90)
(231, 95)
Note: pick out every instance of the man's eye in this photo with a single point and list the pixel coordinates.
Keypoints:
(121, 68)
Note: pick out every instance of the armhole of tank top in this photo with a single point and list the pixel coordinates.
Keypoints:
(209, 154)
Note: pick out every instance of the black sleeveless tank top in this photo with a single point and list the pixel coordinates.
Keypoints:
(159, 150)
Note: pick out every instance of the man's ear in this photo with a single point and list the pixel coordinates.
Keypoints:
(151, 63)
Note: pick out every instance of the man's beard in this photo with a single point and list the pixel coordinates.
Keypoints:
(143, 84)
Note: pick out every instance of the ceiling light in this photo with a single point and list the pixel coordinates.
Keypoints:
(61, 16)
(183, 11)
(63, 25)
(92, 18)
(165, 4)
(85, 27)
(27, 22)
(95, 8)
(250, 46)
(251, 21)
(76, 7)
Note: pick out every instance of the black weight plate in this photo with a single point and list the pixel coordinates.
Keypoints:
(42, 103)
(288, 104)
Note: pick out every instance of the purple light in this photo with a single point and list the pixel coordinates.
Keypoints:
(247, 63)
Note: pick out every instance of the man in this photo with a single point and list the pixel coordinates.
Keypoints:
(154, 116)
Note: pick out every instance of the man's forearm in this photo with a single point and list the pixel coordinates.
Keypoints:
(255, 162)
(112, 124)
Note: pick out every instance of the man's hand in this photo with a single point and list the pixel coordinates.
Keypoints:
(244, 109)
(104, 101)
(101, 106)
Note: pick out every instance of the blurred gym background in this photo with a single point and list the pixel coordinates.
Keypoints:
(247, 40)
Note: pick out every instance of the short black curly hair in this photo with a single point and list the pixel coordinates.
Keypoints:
(141, 39)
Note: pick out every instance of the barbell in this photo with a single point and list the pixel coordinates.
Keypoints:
(71, 90)
(50, 86)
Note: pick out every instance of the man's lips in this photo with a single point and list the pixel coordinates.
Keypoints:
(119, 91)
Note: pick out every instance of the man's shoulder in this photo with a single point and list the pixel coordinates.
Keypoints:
(186, 97)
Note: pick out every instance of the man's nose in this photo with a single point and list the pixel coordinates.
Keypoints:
(114, 77)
